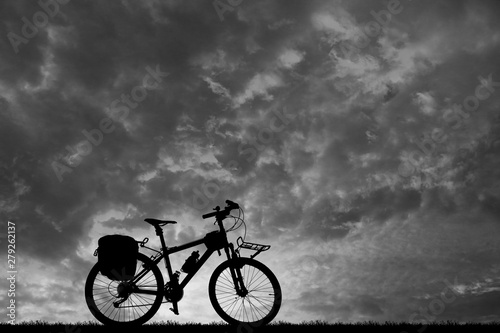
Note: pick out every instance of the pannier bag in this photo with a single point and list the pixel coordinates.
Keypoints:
(117, 256)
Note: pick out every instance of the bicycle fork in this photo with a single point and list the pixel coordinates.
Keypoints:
(235, 270)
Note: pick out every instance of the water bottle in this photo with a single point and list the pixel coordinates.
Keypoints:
(190, 263)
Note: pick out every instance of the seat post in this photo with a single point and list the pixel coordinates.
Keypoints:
(159, 233)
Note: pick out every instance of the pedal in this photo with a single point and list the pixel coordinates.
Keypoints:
(174, 309)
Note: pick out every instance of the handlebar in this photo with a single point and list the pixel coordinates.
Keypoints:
(221, 214)
(206, 216)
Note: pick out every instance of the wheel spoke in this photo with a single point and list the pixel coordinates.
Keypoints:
(264, 305)
(226, 285)
(233, 305)
(258, 281)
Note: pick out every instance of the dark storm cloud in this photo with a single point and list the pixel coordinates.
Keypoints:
(327, 180)
(92, 52)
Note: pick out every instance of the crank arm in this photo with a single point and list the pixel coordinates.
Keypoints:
(174, 308)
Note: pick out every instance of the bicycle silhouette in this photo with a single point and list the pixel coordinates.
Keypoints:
(241, 290)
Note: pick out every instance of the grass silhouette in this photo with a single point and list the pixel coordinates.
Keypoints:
(274, 327)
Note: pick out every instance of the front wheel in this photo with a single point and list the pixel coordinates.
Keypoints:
(258, 305)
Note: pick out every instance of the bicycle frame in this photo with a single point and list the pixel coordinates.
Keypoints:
(220, 243)
(166, 251)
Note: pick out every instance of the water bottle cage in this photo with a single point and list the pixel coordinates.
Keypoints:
(190, 263)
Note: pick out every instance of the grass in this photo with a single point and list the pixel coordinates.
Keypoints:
(279, 326)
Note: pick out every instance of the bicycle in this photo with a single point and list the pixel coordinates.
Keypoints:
(242, 290)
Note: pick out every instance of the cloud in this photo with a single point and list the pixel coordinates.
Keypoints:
(426, 102)
(338, 24)
(280, 24)
(267, 110)
(217, 88)
(290, 58)
(258, 86)
(350, 270)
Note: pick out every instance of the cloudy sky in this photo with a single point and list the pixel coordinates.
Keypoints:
(361, 138)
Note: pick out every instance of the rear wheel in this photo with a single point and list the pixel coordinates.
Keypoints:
(257, 307)
(138, 308)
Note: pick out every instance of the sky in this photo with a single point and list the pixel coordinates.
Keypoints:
(361, 138)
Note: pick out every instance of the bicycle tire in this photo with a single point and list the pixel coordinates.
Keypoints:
(99, 295)
(221, 291)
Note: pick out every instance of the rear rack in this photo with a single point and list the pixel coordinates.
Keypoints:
(252, 246)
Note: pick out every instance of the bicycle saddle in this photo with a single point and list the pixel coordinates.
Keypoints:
(154, 222)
